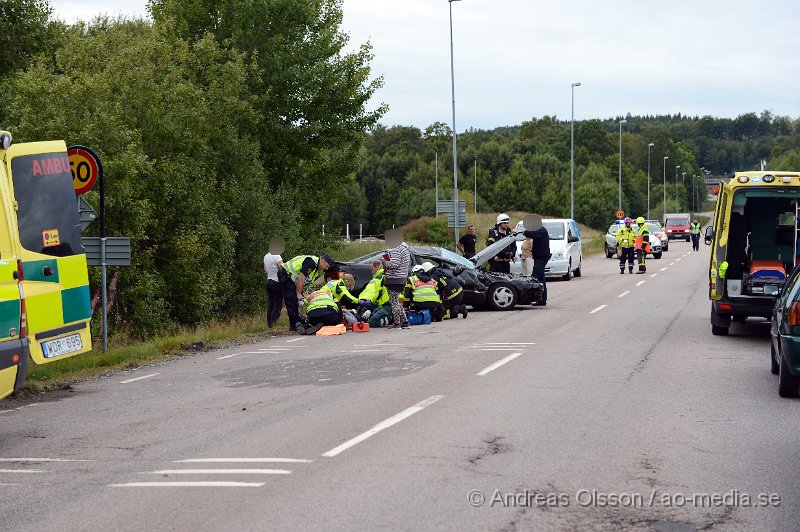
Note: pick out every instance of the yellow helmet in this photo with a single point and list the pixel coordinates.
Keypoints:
(640, 220)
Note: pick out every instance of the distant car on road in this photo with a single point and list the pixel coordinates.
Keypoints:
(498, 291)
(677, 226)
(611, 242)
(785, 337)
(566, 250)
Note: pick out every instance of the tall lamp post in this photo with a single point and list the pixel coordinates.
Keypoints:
(437, 181)
(648, 178)
(676, 187)
(453, 92)
(572, 155)
(683, 183)
(475, 193)
(620, 162)
(703, 179)
(665, 185)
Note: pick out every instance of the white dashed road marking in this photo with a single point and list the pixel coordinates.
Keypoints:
(598, 309)
(499, 363)
(216, 484)
(640, 283)
(664, 269)
(242, 460)
(220, 472)
(625, 293)
(140, 378)
(296, 339)
(654, 275)
(397, 418)
(42, 460)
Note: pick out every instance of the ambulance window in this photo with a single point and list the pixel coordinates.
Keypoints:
(47, 211)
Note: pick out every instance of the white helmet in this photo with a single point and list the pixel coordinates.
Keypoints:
(427, 266)
(417, 268)
(501, 218)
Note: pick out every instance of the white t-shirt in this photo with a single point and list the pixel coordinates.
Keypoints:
(271, 265)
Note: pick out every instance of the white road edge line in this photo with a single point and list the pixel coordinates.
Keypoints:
(296, 339)
(242, 460)
(19, 408)
(507, 343)
(397, 418)
(22, 471)
(140, 378)
(598, 309)
(42, 460)
(499, 363)
(217, 484)
(625, 293)
(640, 283)
(220, 472)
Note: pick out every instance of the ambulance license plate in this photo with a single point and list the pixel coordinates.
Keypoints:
(62, 346)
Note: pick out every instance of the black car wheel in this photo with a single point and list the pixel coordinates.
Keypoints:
(568, 276)
(717, 330)
(502, 296)
(609, 253)
(788, 384)
(578, 271)
(774, 367)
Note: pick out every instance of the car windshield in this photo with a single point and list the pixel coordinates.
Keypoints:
(613, 229)
(677, 221)
(555, 230)
(457, 259)
(654, 228)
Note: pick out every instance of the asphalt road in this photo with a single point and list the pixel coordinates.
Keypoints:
(613, 408)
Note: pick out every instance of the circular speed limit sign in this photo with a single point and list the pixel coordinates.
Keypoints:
(620, 214)
(85, 166)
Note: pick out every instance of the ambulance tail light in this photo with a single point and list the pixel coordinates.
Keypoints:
(794, 314)
(725, 306)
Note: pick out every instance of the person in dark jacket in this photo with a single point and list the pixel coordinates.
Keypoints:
(540, 251)
(450, 290)
(501, 262)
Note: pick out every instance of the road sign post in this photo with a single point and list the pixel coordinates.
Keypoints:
(447, 207)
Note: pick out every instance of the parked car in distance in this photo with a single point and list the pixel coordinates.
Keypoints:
(785, 337)
(566, 249)
(498, 291)
(655, 227)
(610, 245)
(677, 226)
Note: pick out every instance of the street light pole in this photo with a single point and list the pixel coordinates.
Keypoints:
(665, 184)
(453, 92)
(475, 194)
(676, 187)
(648, 178)
(437, 181)
(683, 183)
(620, 162)
(572, 155)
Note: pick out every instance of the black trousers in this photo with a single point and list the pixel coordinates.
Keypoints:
(274, 301)
(500, 266)
(538, 274)
(452, 304)
(626, 254)
(696, 242)
(325, 316)
(289, 291)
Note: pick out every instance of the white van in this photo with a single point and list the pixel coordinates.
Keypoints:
(565, 248)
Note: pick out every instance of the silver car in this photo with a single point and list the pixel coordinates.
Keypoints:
(611, 242)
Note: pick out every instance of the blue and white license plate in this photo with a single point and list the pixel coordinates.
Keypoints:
(62, 346)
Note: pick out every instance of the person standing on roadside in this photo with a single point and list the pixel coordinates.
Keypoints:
(525, 253)
(272, 264)
(395, 267)
(294, 275)
(626, 238)
(466, 244)
(694, 228)
(501, 263)
(540, 251)
(642, 244)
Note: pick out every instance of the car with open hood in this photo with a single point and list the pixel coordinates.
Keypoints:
(566, 249)
(497, 291)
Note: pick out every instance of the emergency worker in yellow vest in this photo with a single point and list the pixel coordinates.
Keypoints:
(294, 275)
(450, 290)
(626, 237)
(321, 310)
(373, 303)
(420, 293)
(340, 290)
(694, 229)
(642, 243)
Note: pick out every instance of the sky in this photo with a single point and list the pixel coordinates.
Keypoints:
(516, 59)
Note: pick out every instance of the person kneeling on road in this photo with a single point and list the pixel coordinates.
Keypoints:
(420, 293)
(450, 291)
(321, 310)
(625, 241)
(373, 304)
(294, 274)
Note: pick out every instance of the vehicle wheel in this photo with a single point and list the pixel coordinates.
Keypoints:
(502, 296)
(609, 253)
(578, 271)
(774, 367)
(788, 384)
(568, 276)
(717, 330)
(657, 255)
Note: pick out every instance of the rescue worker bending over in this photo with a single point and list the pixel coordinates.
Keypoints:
(626, 237)
(321, 310)
(373, 301)
(501, 262)
(420, 293)
(450, 291)
(340, 290)
(294, 275)
(642, 243)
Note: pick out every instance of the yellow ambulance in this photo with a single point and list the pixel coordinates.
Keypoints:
(754, 245)
(45, 307)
